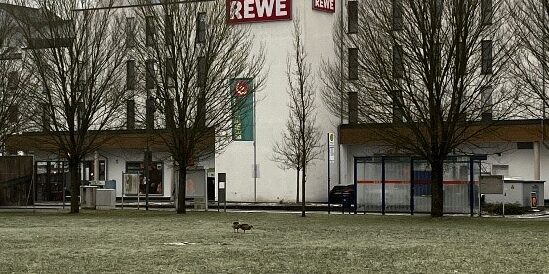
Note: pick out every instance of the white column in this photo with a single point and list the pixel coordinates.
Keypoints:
(537, 162)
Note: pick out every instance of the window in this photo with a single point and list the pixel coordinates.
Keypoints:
(486, 62)
(525, 145)
(169, 32)
(88, 170)
(149, 115)
(398, 65)
(13, 114)
(398, 102)
(150, 72)
(486, 12)
(397, 15)
(130, 75)
(13, 80)
(500, 170)
(201, 72)
(130, 114)
(353, 64)
(353, 107)
(156, 184)
(130, 32)
(486, 97)
(201, 27)
(352, 17)
(149, 31)
(170, 113)
(170, 72)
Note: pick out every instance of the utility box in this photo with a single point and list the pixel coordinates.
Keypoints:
(527, 193)
(88, 196)
(105, 199)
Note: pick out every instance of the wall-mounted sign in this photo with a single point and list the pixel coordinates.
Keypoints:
(325, 5)
(244, 11)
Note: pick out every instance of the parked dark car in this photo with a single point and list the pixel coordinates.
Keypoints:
(339, 192)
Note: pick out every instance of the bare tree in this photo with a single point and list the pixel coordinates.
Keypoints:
(12, 74)
(300, 143)
(190, 55)
(428, 72)
(78, 62)
(530, 60)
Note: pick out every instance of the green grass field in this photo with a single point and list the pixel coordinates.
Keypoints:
(137, 242)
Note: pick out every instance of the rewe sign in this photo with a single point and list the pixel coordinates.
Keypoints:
(242, 11)
(324, 5)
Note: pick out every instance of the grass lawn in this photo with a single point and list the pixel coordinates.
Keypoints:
(136, 242)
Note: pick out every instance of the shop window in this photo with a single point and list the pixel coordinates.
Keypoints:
(525, 145)
(88, 170)
(156, 176)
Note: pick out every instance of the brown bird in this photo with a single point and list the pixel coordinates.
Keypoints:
(236, 226)
(245, 227)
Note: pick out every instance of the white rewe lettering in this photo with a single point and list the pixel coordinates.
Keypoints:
(236, 9)
(280, 7)
(249, 11)
(264, 8)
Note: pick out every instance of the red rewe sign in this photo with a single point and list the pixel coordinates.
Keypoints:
(242, 11)
(324, 5)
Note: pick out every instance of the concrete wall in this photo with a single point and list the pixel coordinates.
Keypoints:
(274, 183)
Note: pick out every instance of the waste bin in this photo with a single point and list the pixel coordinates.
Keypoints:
(87, 197)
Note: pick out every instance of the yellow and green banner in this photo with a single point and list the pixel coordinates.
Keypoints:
(243, 109)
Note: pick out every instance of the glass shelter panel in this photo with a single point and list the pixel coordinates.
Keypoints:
(397, 184)
(368, 185)
(422, 186)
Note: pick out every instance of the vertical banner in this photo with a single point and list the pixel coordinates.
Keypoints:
(243, 109)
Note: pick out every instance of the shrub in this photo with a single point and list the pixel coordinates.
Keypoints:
(510, 209)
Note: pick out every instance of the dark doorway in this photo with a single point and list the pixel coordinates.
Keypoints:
(211, 188)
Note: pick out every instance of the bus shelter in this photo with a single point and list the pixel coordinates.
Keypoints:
(403, 184)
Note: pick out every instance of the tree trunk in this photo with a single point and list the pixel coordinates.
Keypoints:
(437, 191)
(182, 189)
(75, 185)
(297, 192)
(303, 194)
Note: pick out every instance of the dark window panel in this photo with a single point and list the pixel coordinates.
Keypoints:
(150, 74)
(201, 28)
(201, 72)
(397, 18)
(352, 17)
(486, 62)
(398, 105)
(170, 114)
(352, 105)
(150, 31)
(130, 114)
(130, 32)
(130, 75)
(150, 108)
(170, 72)
(398, 62)
(486, 12)
(13, 80)
(353, 64)
(525, 145)
(486, 97)
(169, 31)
